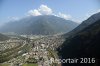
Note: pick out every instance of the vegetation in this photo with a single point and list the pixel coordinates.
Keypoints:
(53, 54)
(30, 64)
(84, 44)
(13, 53)
(5, 64)
(3, 37)
(32, 60)
(43, 25)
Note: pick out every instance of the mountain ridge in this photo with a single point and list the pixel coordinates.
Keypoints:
(84, 44)
(40, 25)
(3, 37)
(83, 25)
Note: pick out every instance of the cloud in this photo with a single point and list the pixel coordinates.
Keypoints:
(34, 12)
(64, 16)
(91, 13)
(45, 10)
(42, 10)
(77, 21)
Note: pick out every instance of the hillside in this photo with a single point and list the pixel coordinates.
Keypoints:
(3, 37)
(83, 25)
(85, 44)
(43, 25)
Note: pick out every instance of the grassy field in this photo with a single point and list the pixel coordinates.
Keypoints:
(30, 64)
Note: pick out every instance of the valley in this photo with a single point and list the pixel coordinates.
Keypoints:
(32, 51)
(45, 39)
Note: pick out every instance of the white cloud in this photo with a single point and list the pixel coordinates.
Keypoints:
(34, 12)
(64, 16)
(77, 21)
(45, 10)
(91, 13)
(42, 10)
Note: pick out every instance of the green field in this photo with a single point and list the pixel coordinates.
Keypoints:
(30, 64)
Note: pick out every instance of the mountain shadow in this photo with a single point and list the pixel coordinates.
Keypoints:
(85, 44)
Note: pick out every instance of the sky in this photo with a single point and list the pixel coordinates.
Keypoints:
(76, 10)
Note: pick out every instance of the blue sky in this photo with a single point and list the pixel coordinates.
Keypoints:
(77, 10)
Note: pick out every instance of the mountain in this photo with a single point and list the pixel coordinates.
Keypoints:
(44, 25)
(3, 37)
(83, 25)
(85, 44)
